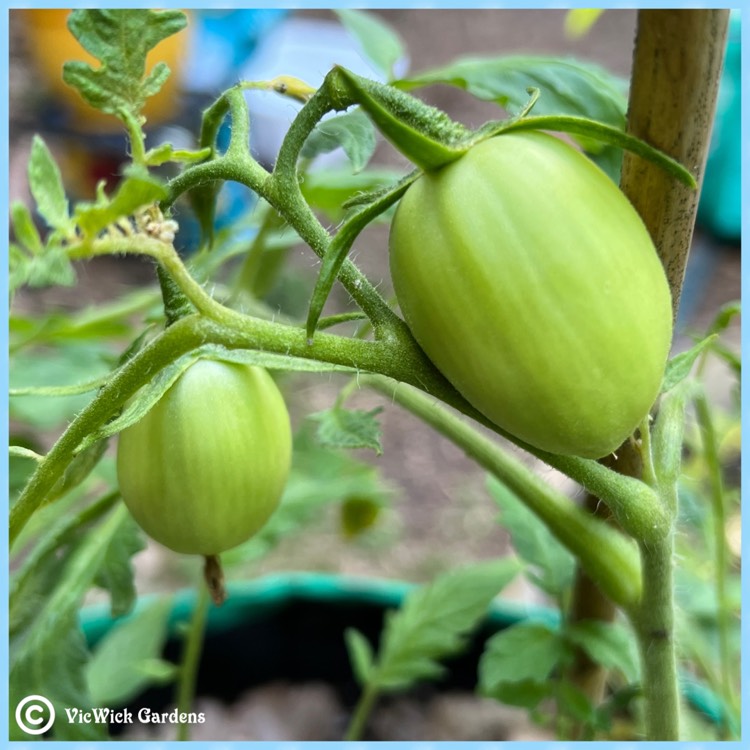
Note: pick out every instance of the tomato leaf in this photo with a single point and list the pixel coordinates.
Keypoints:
(127, 660)
(49, 655)
(566, 86)
(552, 566)
(120, 40)
(379, 42)
(679, 367)
(434, 622)
(526, 652)
(23, 228)
(360, 654)
(609, 644)
(344, 428)
(352, 131)
(47, 188)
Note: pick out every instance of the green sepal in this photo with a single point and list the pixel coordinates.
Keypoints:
(424, 134)
(599, 131)
(342, 243)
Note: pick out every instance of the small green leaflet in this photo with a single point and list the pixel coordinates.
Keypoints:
(432, 624)
(679, 367)
(353, 132)
(128, 659)
(47, 188)
(48, 657)
(520, 659)
(344, 428)
(120, 39)
(609, 644)
(380, 43)
(551, 565)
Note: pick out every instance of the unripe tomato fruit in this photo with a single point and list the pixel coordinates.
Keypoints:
(532, 284)
(204, 469)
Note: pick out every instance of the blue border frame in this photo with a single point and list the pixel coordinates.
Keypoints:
(368, 4)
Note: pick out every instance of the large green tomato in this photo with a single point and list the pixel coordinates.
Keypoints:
(532, 284)
(204, 469)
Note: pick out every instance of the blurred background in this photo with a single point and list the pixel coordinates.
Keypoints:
(437, 513)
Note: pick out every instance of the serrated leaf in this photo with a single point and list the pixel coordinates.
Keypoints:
(24, 229)
(352, 131)
(349, 429)
(47, 188)
(609, 644)
(360, 654)
(553, 565)
(566, 86)
(434, 621)
(120, 40)
(115, 573)
(49, 656)
(526, 652)
(678, 368)
(52, 268)
(127, 660)
(137, 189)
(380, 43)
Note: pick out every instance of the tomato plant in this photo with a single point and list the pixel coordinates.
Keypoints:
(204, 469)
(531, 282)
(533, 307)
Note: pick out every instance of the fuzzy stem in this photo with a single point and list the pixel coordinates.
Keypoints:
(654, 625)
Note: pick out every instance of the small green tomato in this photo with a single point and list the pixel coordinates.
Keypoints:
(532, 284)
(205, 468)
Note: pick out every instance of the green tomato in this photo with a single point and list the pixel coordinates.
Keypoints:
(532, 284)
(204, 469)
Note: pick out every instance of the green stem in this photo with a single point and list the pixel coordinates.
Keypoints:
(654, 625)
(191, 659)
(718, 507)
(647, 460)
(361, 714)
(606, 555)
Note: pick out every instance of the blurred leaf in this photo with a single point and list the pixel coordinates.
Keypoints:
(724, 317)
(127, 660)
(49, 656)
(434, 622)
(678, 368)
(526, 694)
(610, 644)
(328, 189)
(525, 653)
(380, 43)
(345, 428)
(554, 565)
(566, 86)
(573, 702)
(352, 131)
(47, 188)
(360, 654)
(73, 363)
(23, 228)
(121, 40)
